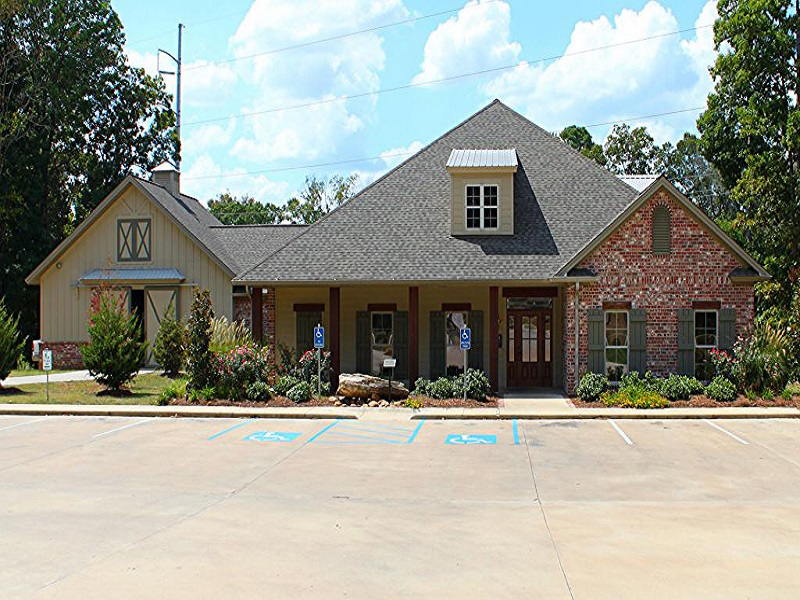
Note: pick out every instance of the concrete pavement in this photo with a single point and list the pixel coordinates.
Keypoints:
(41, 377)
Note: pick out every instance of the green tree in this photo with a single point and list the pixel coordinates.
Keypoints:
(11, 343)
(630, 151)
(750, 132)
(74, 119)
(199, 358)
(169, 349)
(580, 139)
(245, 210)
(115, 352)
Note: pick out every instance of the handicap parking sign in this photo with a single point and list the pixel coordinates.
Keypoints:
(319, 337)
(471, 439)
(271, 436)
(466, 338)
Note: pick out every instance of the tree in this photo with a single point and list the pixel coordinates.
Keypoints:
(580, 139)
(750, 131)
(169, 349)
(115, 352)
(199, 358)
(11, 343)
(75, 118)
(231, 210)
(630, 151)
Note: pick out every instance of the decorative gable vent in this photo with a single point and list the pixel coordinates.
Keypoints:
(662, 241)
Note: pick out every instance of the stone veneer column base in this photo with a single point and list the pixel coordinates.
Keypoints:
(66, 355)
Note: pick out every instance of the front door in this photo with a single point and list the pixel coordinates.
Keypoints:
(157, 301)
(529, 357)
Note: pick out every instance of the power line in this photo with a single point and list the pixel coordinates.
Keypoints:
(672, 112)
(437, 81)
(190, 24)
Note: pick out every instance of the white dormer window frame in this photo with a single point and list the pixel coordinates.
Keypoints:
(485, 207)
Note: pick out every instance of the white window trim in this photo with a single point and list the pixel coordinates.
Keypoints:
(627, 345)
(694, 334)
(481, 207)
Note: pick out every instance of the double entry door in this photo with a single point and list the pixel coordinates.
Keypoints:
(529, 349)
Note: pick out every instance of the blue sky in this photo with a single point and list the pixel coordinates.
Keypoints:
(267, 155)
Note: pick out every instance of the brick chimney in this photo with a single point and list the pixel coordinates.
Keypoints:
(168, 177)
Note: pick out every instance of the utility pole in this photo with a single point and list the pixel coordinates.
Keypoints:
(177, 72)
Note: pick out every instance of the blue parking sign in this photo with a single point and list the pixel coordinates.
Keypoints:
(466, 338)
(319, 337)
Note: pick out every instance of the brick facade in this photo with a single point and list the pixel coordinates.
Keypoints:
(696, 269)
(242, 311)
(66, 355)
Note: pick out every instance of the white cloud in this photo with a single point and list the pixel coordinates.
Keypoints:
(475, 39)
(394, 156)
(626, 79)
(205, 137)
(205, 179)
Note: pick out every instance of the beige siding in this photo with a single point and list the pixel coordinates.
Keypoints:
(65, 305)
(459, 181)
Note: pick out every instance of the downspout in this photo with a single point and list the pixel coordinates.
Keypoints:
(577, 292)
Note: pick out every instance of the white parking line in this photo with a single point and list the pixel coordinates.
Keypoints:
(97, 435)
(21, 424)
(726, 432)
(620, 432)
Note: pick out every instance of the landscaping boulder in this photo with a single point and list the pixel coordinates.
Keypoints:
(367, 386)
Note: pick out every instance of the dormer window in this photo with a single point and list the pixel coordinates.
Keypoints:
(482, 206)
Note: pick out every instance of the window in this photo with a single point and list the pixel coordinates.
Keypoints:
(616, 344)
(382, 324)
(454, 322)
(133, 240)
(705, 339)
(482, 207)
(661, 230)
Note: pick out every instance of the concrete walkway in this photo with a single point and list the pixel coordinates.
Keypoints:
(41, 377)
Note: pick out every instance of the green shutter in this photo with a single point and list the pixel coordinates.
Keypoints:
(304, 332)
(475, 353)
(363, 343)
(400, 332)
(685, 341)
(597, 341)
(662, 243)
(637, 342)
(438, 344)
(727, 328)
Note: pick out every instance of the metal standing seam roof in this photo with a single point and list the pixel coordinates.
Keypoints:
(482, 158)
(134, 274)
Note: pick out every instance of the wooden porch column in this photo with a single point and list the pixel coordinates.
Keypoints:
(494, 334)
(256, 308)
(336, 366)
(413, 334)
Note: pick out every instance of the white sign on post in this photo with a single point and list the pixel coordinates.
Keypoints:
(389, 363)
(47, 360)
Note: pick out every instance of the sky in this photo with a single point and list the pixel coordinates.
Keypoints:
(275, 90)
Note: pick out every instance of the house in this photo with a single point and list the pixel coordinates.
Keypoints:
(497, 225)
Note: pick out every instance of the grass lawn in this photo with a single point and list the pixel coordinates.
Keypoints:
(29, 372)
(145, 390)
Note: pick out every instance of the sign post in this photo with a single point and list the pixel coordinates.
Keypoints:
(390, 363)
(319, 344)
(466, 344)
(47, 366)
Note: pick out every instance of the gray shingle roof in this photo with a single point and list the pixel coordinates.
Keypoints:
(250, 244)
(398, 228)
(482, 158)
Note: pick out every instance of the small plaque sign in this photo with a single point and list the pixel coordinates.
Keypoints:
(389, 363)
(47, 360)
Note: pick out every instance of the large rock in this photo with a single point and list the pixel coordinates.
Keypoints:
(367, 386)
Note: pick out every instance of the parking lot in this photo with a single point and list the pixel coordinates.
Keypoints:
(95, 507)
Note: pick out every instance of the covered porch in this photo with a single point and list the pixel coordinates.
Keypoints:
(517, 331)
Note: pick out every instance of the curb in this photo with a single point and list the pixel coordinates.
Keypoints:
(775, 413)
(169, 411)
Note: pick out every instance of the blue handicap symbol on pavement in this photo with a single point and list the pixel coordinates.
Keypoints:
(466, 338)
(319, 337)
(271, 436)
(471, 439)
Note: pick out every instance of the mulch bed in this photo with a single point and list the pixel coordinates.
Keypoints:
(706, 402)
(281, 401)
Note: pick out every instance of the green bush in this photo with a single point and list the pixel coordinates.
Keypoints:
(792, 389)
(115, 352)
(766, 359)
(443, 388)
(307, 367)
(199, 358)
(206, 394)
(176, 389)
(477, 383)
(237, 369)
(169, 349)
(634, 397)
(284, 384)
(11, 344)
(721, 389)
(227, 336)
(422, 387)
(300, 392)
(258, 391)
(324, 386)
(591, 387)
(680, 387)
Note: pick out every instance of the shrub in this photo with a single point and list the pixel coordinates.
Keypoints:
(11, 344)
(205, 394)
(721, 389)
(199, 358)
(412, 402)
(176, 389)
(422, 387)
(115, 352)
(767, 394)
(477, 383)
(633, 397)
(591, 387)
(726, 364)
(324, 387)
(680, 387)
(307, 367)
(443, 388)
(300, 392)
(258, 391)
(227, 336)
(169, 349)
(284, 384)
(792, 389)
(239, 368)
(766, 359)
